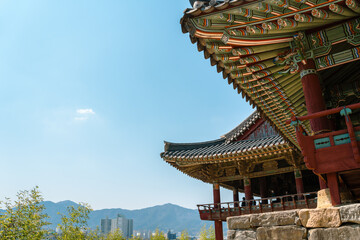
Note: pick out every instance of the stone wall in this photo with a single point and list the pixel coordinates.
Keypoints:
(331, 223)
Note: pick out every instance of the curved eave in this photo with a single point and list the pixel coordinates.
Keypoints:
(221, 153)
(169, 146)
(227, 6)
(195, 169)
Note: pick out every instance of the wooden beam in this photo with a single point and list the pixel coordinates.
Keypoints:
(259, 174)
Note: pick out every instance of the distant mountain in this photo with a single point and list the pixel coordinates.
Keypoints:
(164, 217)
(52, 209)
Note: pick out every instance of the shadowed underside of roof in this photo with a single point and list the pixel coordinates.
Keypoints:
(252, 43)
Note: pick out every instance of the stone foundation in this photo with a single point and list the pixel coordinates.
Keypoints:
(331, 223)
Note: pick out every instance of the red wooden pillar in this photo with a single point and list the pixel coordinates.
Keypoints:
(315, 103)
(216, 194)
(218, 230)
(298, 181)
(218, 223)
(322, 183)
(236, 197)
(263, 190)
(313, 94)
(247, 189)
(333, 184)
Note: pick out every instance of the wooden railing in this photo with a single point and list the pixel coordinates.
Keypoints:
(221, 211)
(324, 113)
(322, 152)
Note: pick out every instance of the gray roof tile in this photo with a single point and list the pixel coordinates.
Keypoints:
(219, 147)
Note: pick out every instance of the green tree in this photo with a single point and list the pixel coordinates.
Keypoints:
(24, 219)
(116, 235)
(207, 234)
(158, 235)
(135, 238)
(95, 235)
(211, 233)
(74, 225)
(184, 235)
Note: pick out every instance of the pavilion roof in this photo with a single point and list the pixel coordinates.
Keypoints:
(242, 127)
(220, 151)
(228, 159)
(252, 43)
(226, 148)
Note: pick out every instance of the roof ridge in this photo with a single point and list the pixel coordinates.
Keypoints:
(242, 127)
(170, 146)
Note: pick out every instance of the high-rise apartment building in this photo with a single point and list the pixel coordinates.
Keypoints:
(119, 223)
(105, 225)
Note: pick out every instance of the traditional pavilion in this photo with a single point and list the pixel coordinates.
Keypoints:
(296, 62)
(252, 158)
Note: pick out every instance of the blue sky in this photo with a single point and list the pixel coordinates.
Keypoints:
(90, 90)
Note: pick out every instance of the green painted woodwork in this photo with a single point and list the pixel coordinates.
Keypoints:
(341, 10)
(297, 173)
(246, 181)
(338, 140)
(341, 139)
(338, 58)
(266, 73)
(345, 112)
(322, 143)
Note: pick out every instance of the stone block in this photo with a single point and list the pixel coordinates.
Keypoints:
(281, 233)
(238, 222)
(350, 232)
(241, 235)
(231, 234)
(346, 197)
(322, 217)
(324, 198)
(274, 219)
(350, 213)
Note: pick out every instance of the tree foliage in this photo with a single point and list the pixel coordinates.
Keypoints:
(158, 235)
(74, 224)
(116, 235)
(135, 238)
(184, 235)
(211, 233)
(23, 218)
(207, 234)
(95, 235)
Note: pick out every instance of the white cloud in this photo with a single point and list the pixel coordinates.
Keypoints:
(83, 114)
(85, 111)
